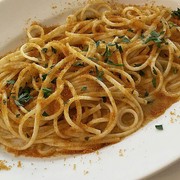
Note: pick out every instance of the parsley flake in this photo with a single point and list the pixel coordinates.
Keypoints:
(44, 76)
(142, 37)
(171, 24)
(146, 94)
(119, 47)
(53, 50)
(4, 101)
(99, 74)
(44, 50)
(23, 96)
(130, 30)
(154, 71)
(53, 66)
(154, 82)
(112, 63)
(107, 52)
(141, 73)
(175, 70)
(176, 13)
(17, 115)
(155, 37)
(46, 65)
(78, 63)
(98, 43)
(47, 92)
(92, 58)
(104, 99)
(137, 65)
(125, 39)
(85, 48)
(84, 88)
(45, 114)
(10, 81)
(54, 80)
(159, 127)
(86, 138)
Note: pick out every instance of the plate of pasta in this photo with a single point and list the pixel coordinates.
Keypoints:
(89, 89)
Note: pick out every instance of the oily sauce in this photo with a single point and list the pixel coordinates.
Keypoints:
(151, 111)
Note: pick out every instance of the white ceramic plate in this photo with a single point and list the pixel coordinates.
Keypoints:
(138, 156)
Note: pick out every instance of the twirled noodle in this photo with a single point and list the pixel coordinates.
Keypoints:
(90, 82)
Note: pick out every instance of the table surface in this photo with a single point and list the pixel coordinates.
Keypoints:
(172, 172)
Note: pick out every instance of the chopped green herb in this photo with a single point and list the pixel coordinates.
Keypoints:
(154, 34)
(84, 88)
(85, 48)
(141, 73)
(130, 30)
(142, 36)
(98, 43)
(54, 80)
(45, 114)
(119, 47)
(52, 66)
(162, 32)
(99, 74)
(104, 99)
(176, 13)
(146, 94)
(4, 101)
(125, 39)
(154, 82)
(47, 92)
(53, 50)
(111, 44)
(10, 81)
(27, 135)
(78, 63)
(159, 127)
(23, 96)
(112, 63)
(93, 58)
(89, 18)
(65, 102)
(86, 138)
(137, 65)
(46, 65)
(171, 24)
(154, 71)
(13, 97)
(120, 37)
(155, 37)
(150, 101)
(17, 115)
(107, 52)
(44, 76)
(91, 71)
(175, 70)
(44, 50)
(18, 103)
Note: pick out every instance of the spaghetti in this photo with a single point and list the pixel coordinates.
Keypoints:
(88, 83)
